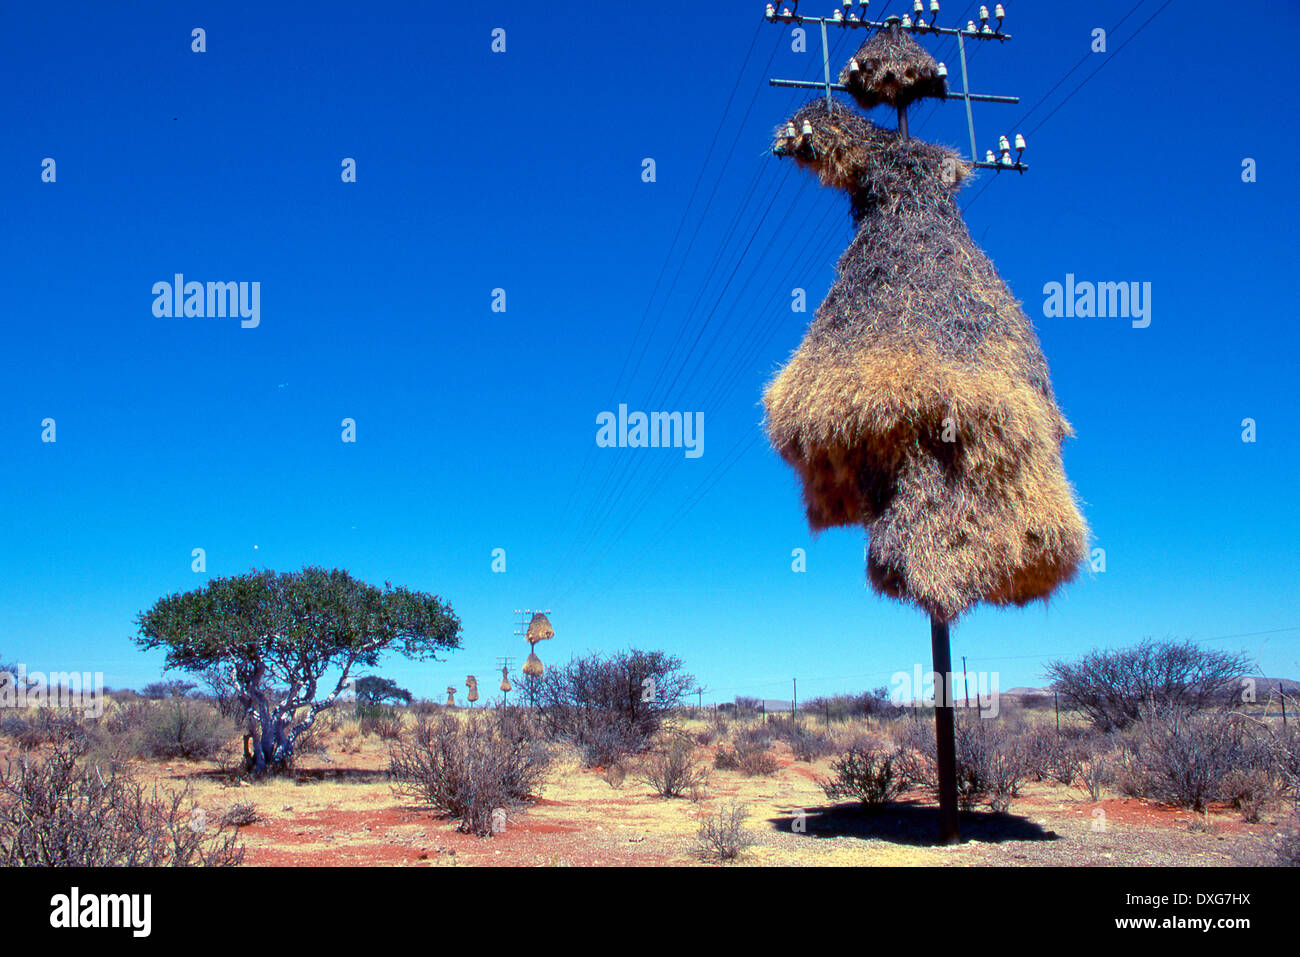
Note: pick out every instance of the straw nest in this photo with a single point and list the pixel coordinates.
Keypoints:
(533, 665)
(471, 683)
(892, 68)
(451, 697)
(847, 151)
(919, 404)
(539, 629)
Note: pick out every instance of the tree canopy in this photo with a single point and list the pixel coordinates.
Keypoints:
(291, 628)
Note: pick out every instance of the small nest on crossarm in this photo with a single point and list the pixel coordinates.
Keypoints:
(892, 68)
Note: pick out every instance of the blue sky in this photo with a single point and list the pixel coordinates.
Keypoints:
(476, 429)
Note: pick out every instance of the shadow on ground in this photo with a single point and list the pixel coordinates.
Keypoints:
(337, 775)
(910, 823)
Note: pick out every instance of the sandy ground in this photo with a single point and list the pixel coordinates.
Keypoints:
(342, 810)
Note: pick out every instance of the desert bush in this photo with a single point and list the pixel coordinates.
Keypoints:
(181, 728)
(993, 762)
(1184, 758)
(604, 705)
(240, 814)
(869, 775)
(808, 747)
(385, 723)
(60, 812)
(1113, 687)
(174, 688)
(44, 726)
(1096, 774)
(468, 768)
(845, 707)
(707, 735)
(675, 771)
(615, 775)
(722, 835)
(1250, 791)
(750, 756)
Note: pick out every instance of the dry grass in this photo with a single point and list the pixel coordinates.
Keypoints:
(340, 809)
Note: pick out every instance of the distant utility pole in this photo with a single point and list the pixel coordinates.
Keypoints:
(965, 683)
(505, 663)
(919, 27)
(521, 631)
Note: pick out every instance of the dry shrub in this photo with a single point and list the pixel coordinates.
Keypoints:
(1181, 757)
(992, 761)
(469, 768)
(674, 772)
(1097, 773)
(184, 728)
(385, 723)
(751, 758)
(61, 812)
(722, 835)
(809, 747)
(241, 814)
(615, 775)
(867, 774)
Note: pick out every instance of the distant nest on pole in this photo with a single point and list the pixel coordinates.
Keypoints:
(539, 629)
(919, 403)
(533, 665)
(892, 68)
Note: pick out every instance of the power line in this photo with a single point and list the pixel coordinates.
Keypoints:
(1070, 95)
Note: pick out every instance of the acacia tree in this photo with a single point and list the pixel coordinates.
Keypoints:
(291, 629)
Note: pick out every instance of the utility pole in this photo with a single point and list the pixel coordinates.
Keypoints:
(521, 631)
(965, 683)
(919, 27)
(505, 663)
